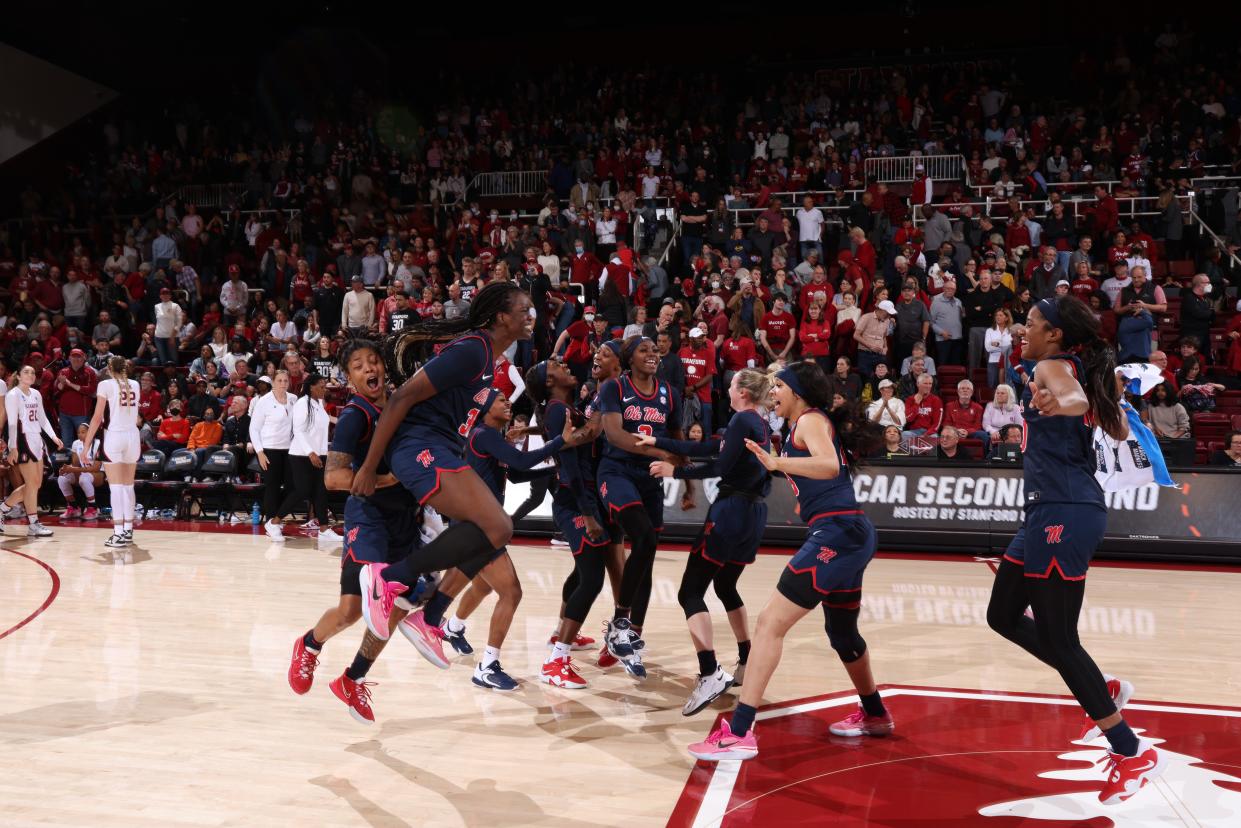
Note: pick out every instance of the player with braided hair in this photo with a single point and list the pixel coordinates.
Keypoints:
(445, 369)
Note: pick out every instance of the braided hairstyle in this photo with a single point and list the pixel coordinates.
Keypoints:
(405, 352)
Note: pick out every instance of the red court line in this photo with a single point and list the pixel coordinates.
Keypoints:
(47, 602)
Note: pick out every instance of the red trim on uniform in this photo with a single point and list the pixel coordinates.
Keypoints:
(810, 570)
(833, 514)
(612, 507)
(654, 393)
(1011, 559)
(586, 541)
(439, 471)
(1055, 564)
(491, 358)
(470, 443)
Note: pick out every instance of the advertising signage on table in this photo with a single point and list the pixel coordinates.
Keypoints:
(975, 507)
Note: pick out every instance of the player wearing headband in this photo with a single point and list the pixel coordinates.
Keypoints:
(732, 532)
(636, 403)
(827, 570)
(1073, 390)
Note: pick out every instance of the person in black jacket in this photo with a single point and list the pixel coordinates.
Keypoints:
(1197, 313)
(237, 432)
(329, 298)
(671, 370)
(980, 305)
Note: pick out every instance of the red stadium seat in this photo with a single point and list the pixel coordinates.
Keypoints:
(1236, 422)
(973, 446)
(1181, 269)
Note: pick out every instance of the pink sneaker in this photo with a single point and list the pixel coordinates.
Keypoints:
(378, 597)
(70, 513)
(722, 744)
(91, 513)
(427, 640)
(858, 723)
(1121, 691)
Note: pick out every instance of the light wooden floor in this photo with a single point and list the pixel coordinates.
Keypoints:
(153, 693)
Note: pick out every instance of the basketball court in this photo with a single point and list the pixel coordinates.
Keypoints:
(146, 687)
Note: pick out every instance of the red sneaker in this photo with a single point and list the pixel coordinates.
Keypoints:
(559, 672)
(580, 642)
(427, 640)
(302, 667)
(1127, 774)
(357, 695)
(859, 724)
(91, 513)
(606, 659)
(1121, 691)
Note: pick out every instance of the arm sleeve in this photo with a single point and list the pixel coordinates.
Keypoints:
(488, 441)
(519, 384)
(463, 361)
(733, 449)
(690, 448)
(256, 424)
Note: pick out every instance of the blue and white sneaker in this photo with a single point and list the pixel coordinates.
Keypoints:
(458, 642)
(633, 664)
(493, 677)
(619, 638)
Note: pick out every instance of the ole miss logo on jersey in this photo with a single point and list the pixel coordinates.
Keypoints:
(642, 414)
(351, 535)
(825, 554)
(1054, 533)
(426, 458)
(579, 522)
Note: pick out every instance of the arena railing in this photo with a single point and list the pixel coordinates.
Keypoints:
(1064, 187)
(509, 183)
(899, 169)
(1205, 229)
(1130, 206)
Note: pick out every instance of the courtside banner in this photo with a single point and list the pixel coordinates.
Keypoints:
(972, 506)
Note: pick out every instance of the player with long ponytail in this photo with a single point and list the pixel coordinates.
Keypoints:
(1074, 388)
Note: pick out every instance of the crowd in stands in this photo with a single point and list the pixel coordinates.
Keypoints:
(910, 299)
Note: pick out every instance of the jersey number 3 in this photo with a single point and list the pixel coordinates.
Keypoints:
(465, 428)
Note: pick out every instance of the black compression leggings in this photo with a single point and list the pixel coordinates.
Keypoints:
(637, 575)
(1052, 636)
(701, 573)
(587, 578)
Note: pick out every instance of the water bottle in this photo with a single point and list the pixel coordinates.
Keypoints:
(256, 517)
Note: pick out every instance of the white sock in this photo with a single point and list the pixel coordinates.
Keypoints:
(560, 650)
(118, 507)
(490, 656)
(32, 519)
(131, 506)
(456, 625)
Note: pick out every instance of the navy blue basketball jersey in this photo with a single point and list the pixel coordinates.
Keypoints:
(736, 466)
(354, 428)
(653, 415)
(462, 374)
(819, 498)
(491, 456)
(1058, 453)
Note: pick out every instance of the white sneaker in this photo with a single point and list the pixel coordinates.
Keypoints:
(38, 530)
(329, 536)
(116, 541)
(17, 511)
(708, 689)
(310, 526)
(235, 519)
(274, 531)
(564, 544)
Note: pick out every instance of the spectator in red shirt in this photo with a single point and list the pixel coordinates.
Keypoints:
(815, 334)
(924, 412)
(174, 430)
(816, 290)
(863, 251)
(1083, 283)
(584, 269)
(1106, 214)
(739, 351)
(698, 357)
(965, 415)
(75, 394)
(778, 330)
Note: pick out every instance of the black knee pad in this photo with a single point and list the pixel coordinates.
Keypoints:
(691, 600)
(725, 584)
(570, 585)
(843, 635)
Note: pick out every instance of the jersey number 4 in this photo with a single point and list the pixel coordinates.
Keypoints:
(465, 428)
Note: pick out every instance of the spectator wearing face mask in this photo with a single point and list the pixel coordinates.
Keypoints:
(207, 435)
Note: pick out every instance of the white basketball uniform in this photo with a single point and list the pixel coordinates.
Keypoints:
(26, 420)
(121, 441)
